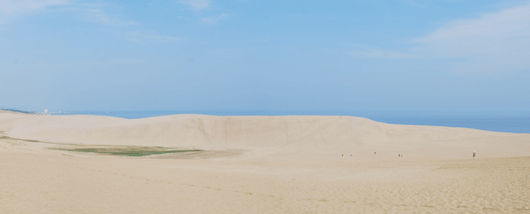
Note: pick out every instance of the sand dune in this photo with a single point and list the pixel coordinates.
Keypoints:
(311, 136)
(284, 164)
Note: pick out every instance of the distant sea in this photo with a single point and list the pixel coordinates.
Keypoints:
(514, 122)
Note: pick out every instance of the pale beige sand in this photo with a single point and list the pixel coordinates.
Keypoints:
(261, 165)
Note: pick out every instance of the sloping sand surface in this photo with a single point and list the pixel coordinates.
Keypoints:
(270, 136)
(284, 164)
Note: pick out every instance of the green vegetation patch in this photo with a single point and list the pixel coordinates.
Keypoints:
(133, 151)
(32, 141)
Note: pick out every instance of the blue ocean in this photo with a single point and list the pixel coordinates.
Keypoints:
(513, 122)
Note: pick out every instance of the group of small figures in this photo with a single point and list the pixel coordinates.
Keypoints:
(400, 155)
(351, 154)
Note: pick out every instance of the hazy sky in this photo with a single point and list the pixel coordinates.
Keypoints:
(254, 55)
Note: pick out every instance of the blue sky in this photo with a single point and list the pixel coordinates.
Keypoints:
(252, 55)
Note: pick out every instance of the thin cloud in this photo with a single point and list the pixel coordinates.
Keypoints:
(152, 37)
(494, 42)
(92, 12)
(197, 4)
(215, 19)
(12, 7)
(167, 38)
(99, 15)
(384, 54)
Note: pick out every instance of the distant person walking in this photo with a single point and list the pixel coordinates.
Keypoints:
(474, 154)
